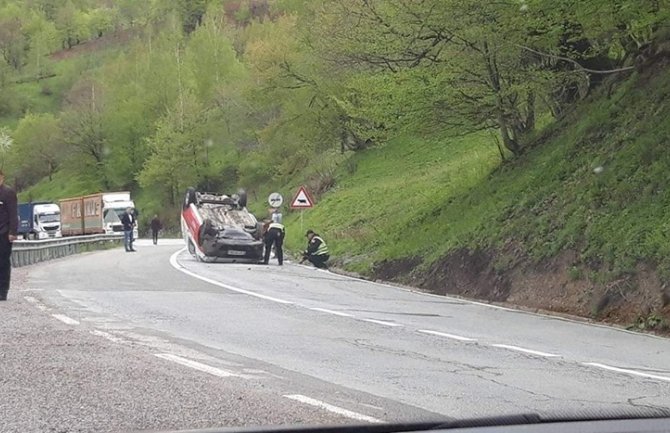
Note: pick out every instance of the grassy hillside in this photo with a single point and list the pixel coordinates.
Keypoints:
(588, 206)
(385, 199)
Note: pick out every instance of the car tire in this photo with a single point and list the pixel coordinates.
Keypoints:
(189, 198)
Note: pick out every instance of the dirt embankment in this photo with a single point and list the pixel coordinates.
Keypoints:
(638, 301)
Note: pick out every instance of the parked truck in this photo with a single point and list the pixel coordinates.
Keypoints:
(39, 220)
(95, 214)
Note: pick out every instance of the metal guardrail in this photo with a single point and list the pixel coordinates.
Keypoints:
(29, 252)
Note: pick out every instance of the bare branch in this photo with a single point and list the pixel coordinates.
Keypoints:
(574, 62)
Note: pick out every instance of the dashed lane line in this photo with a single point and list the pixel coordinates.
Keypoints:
(627, 371)
(327, 311)
(198, 365)
(176, 265)
(334, 409)
(108, 336)
(444, 334)
(524, 350)
(382, 322)
(65, 319)
(36, 303)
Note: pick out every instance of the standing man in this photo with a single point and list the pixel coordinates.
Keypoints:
(274, 235)
(128, 221)
(317, 251)
(9, 221)
(156, 226)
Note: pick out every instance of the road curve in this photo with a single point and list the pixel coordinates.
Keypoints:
(372, 352)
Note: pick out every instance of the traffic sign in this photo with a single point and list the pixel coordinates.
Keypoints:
(302, 199)
(275, 199)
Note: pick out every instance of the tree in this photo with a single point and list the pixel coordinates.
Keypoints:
(178, 151)
(12, 40)
(66, 24)
(210, 59)
(43, 39)
(6, 142)
(84, 134)
(191, 13)
(39, 147)
(464, 54)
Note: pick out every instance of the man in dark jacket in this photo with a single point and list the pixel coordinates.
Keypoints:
(317, 251)
(128, 221)
(9, 222)
(156, 226)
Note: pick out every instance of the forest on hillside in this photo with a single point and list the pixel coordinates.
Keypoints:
(158, 95)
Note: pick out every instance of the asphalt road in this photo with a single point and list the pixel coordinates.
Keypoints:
(346, 350)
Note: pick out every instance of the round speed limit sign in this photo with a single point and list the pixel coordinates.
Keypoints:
(275, 199)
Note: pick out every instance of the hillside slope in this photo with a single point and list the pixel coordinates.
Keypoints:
(579, 224)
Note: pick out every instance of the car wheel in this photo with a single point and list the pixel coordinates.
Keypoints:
(189, 198)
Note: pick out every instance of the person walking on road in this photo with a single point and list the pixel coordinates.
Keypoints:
(317, 250)
(156, 227)
(129, 223)
(9, 222)
(274, 236)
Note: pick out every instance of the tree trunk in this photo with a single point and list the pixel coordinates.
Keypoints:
(508, 140)
(530, 115)
(505, 131)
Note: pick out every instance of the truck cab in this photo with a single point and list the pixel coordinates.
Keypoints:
(39, 220)
(114, 206)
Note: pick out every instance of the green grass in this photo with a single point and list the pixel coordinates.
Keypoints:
(426, 198)
(384, 208)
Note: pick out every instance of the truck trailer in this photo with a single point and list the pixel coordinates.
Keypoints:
(95, 214)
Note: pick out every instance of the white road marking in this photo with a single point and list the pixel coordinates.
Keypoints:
(67, 320)
(108, 336)
(197, 365)
(337, 313)
(180, 268)
(382, 322)
(36, 303)
(78, 302)
(529, 351)
(627, 371)
(444, 334)
(334, 409)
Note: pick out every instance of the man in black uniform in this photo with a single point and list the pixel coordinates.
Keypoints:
(274, 235)
(9, 222)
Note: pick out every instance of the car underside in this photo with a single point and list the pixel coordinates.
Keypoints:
(220, 228)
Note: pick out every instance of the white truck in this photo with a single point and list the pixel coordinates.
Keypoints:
(39, 220)
(114, 206)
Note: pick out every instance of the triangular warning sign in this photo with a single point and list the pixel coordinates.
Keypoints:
(302, 199)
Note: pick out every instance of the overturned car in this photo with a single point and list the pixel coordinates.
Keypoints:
(219, 227)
